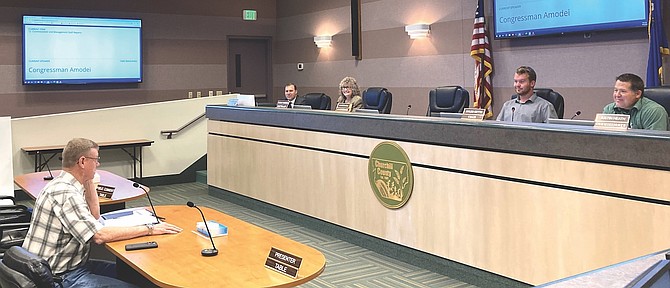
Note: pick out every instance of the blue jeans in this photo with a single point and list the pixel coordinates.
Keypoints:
(95, 273)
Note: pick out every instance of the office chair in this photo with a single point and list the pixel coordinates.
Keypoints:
(553, 97)
(318, 101)
(447, 99)
(378, 98)
(660, 95)
(14, 214)
(12, 234)
(22, 269)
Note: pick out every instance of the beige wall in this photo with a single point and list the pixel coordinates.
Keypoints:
(163, 157)
(184, 50)
(581, 69)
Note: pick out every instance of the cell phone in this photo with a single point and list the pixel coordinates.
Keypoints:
(143, 245)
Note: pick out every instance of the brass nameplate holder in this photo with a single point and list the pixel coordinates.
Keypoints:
(343, 107)
(105, 191)
(282, 104)
(618, 122)
(473, 114)
(282, 262)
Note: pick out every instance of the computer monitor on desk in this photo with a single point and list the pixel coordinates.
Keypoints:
(571, 122)
(246, 100)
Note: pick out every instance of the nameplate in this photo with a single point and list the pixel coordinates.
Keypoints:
(474, 114)
(105, 191)
(612, 122)
(344, 107)
(282, 104)
(282, 262)
(232, 102)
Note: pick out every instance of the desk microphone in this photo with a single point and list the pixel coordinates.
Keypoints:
(408, 107)
(137, 185)
(513, 113)
(576, 114)
(205, 252)
(51, 176)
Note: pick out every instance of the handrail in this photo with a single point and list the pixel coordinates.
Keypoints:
(169, 133)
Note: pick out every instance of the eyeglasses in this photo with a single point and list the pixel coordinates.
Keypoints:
(97, 159)
(346, 87)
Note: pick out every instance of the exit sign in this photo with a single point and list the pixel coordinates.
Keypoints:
(249, 15)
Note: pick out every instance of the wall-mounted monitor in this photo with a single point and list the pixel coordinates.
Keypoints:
(76, 50)
(527, 18)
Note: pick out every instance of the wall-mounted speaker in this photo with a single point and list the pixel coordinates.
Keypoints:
(356, 29)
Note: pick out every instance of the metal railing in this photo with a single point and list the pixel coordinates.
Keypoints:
(169, 133)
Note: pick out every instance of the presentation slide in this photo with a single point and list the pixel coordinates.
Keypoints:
(61, 50)
(520, 15)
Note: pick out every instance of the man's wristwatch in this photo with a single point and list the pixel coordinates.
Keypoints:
(150, 227)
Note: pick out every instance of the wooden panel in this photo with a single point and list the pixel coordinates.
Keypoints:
(526, 232)
(601, 177)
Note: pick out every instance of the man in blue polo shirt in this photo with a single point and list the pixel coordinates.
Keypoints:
(644, 113)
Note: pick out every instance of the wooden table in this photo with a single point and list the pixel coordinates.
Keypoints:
(136, 155)
(177, 261)
(33, 183)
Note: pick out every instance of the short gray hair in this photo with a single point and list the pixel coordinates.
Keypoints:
(76, 148)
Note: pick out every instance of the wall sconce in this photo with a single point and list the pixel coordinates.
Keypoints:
(323, 41)
(417, 30)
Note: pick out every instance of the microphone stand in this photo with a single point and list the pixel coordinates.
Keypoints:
(137, 185)
(205, 252)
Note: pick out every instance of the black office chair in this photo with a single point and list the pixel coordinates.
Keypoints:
(553, 97)
(318, 101)
(12, 234)
(22, 269)
(660, 95)
(447, 99)
(14, 214)
(378, 98)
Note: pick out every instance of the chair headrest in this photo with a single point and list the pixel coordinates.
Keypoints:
(315, 99)
(373, 96)
(30, 265)
(448, 99)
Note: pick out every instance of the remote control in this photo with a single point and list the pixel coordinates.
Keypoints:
(143, 245)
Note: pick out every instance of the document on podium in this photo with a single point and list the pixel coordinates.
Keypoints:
(128, 217)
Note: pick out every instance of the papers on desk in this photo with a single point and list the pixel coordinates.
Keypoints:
(128, 217)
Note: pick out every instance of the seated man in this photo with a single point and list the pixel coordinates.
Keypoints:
(65, 221)
(291, 94)
(527, 106)
(644, 113)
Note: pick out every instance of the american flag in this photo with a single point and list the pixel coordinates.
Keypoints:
(481, 52)
(658, 45)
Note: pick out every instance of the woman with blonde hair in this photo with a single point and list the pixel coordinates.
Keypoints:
(350, 94)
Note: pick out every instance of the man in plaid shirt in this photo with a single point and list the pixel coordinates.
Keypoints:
(65, 221)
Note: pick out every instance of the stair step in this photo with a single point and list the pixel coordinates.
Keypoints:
(201, 176)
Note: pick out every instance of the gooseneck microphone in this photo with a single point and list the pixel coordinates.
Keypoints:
(408, 107)
(205, 252)
(513, 113)
(51, 176)
(137, 185)
(576, 114)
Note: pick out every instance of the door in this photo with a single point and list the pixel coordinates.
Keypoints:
(250, 66)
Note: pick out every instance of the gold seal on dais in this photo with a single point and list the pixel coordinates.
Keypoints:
(390, 174)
